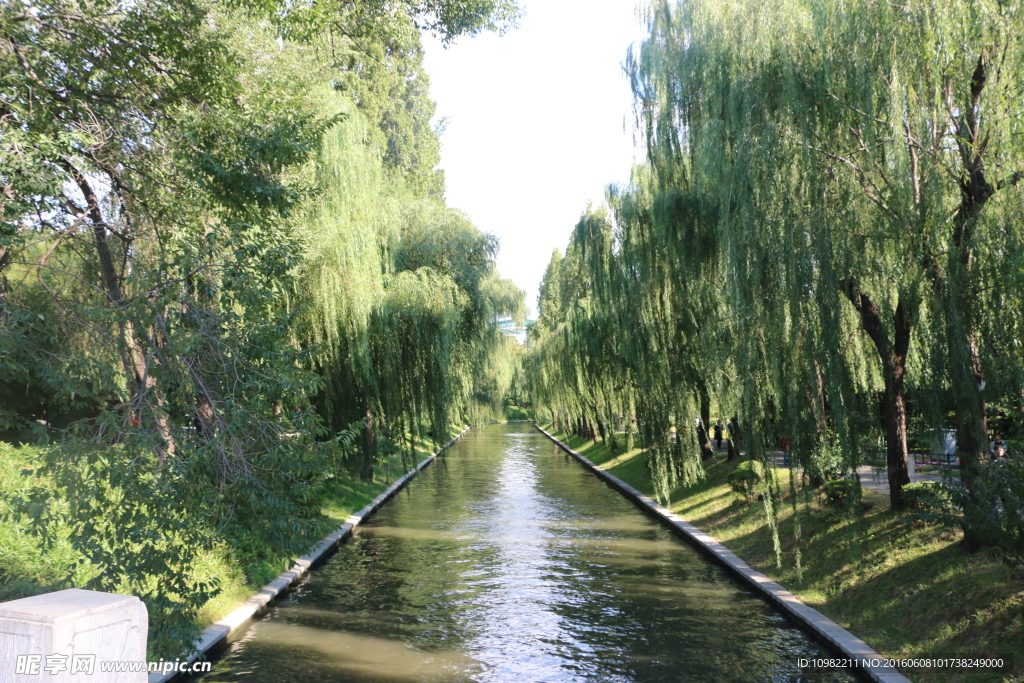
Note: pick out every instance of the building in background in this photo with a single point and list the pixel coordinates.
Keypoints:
(508, 326)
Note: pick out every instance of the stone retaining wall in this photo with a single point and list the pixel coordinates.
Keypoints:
(219, 631)
(842, 641)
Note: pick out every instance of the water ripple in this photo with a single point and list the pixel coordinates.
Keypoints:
(506, 562)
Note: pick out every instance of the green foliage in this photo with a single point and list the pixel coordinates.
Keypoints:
(841, 494)
(837, 151)
(747, 479)
(827, 462)
(26, 568)
(993, 507)
(516, 413)
(387, 22)
(616, 338)
(401, 296)
(221, 244)
(817, 240)
(134, 532)
(929, 497)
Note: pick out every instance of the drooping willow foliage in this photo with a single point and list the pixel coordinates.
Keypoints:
(403, 298)
(228, 273)
(613, 344)
(826, 237)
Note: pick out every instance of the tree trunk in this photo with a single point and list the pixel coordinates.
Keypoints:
(972, 434)
(706, 451)
(705, 404)
(972, 441)
(896, 456)
(5, 257)
(369, 449)
(734, 439)
(967, 374)
(204, 416)
(133, 357)
(893, 355)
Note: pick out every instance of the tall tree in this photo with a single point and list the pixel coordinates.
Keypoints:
(860, 127)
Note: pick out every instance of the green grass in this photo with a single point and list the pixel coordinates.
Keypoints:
(906, 588)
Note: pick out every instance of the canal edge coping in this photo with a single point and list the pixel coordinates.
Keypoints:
(824, 628)
(221, 630)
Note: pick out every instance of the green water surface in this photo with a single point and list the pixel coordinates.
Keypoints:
(506, 561)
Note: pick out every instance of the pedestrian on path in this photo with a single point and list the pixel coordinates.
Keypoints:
(718, 433)
(733, 430)
(784, 444)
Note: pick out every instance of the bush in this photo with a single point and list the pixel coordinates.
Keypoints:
(133, 532)
(926, 496)
(995, 514)
(840, 494)
(826, 462)
(26, 567)
(746, 479)
(516, 413)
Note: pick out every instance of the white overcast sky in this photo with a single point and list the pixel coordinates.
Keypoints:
(539, 123)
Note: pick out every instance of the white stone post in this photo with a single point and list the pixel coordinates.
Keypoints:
(72, 636)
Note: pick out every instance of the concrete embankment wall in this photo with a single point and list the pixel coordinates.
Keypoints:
(218, 632)
(849, 646)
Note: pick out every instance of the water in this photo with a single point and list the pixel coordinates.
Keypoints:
(506, 561)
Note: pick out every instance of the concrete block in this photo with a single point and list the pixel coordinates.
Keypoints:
(67, 636)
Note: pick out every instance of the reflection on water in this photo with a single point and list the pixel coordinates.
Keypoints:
(507, 562)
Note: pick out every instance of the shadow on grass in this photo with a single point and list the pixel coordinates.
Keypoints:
(945, 603)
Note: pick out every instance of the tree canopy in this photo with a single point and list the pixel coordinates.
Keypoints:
(823, 243)
(227, 272)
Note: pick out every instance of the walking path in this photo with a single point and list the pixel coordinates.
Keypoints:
(871, 477)
(877, 478)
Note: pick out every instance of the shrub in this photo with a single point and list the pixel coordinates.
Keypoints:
(995, 513)
(926, 496)
(26, 567)
(840, 494)
(826, 462)
(516, 413)
(746, 478)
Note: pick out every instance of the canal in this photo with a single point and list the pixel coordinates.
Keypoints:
(506, 561)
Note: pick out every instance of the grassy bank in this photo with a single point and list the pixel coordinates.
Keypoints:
(241, 577)
(906, 588)
(30, 565)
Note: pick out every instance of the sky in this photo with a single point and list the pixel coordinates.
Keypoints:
(539, 122)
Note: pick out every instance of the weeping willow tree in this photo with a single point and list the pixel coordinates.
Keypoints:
(821, 239)
(616, 340)
(858, 151)
(402, 297)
